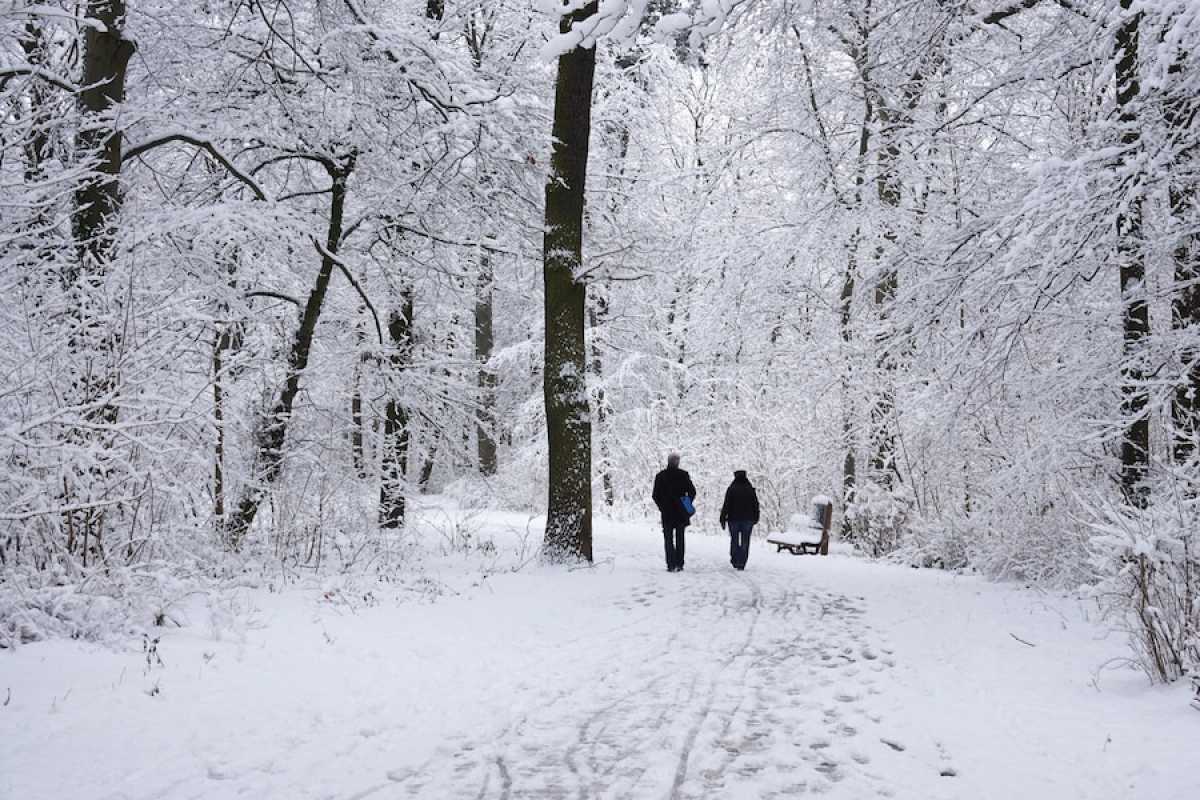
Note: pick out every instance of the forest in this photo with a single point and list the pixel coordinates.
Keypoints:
(274, 270)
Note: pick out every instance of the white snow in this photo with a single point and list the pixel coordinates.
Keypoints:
(799, 675)
(801, 529)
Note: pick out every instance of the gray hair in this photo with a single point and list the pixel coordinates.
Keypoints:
(673, 460)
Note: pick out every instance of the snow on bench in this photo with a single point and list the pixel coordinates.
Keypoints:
(806, 534)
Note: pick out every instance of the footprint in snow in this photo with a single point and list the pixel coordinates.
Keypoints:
(830, 770)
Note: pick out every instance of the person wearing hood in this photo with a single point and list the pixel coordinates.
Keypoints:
(740, 512)
(671, 486)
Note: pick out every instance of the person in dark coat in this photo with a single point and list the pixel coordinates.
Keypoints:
(740, 512)
(670, 485)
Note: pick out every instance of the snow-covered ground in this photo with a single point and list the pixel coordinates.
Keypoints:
(800, 675)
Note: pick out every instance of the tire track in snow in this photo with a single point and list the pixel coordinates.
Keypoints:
(774, 707)
(690, 742)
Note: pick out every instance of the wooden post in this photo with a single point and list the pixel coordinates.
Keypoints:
(823, 510)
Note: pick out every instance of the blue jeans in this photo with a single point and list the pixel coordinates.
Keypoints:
(739, 541)
(674, 545)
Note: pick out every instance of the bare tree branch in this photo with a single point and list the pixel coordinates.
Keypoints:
(324, 251)
(7, 73)
(203, 144)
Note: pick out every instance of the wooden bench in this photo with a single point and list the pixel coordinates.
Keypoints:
(794, 544)
(812, 536)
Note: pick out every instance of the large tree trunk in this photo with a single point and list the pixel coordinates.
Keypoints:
(97, 205)
(849, 439)
(1185, 318)
(568, 424)
(1135, 314)
(272, 427)
(883, 406)
(485, 427)
(98, 198)
(846, 317)
(228, 338)
(1180, 114)
(394, 470)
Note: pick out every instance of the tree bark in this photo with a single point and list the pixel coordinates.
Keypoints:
(485, 427)
(229, 337)
(396, 434)
(357, 451)
(272, 427)
(1185, 318)
(97, 205)
(568, 422)
(883, 407)
(846, 311)
(220, 344)
(849, 443)
(1180, 113)
(1135, 314)
(98, 198)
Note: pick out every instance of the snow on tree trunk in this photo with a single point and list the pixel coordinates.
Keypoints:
(95, 341)
(568, 420)
(396, 434)
(1135, 313)
(485, 339)
(271, 433)
(1180, 113)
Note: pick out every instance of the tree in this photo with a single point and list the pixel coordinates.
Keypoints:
(1135, 313)
(1179, 115)
(106, 54)
(272, 427)
(394, 471)
(568, 420)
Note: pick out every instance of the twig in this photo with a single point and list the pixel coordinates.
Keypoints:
(204, 144)
(345, 270)
(1022, 641)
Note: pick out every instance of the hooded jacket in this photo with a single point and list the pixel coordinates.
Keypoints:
(741, 501)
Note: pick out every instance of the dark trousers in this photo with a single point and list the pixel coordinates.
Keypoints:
(739, 541)
(673, 542)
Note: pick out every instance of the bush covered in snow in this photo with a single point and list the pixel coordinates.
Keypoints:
(1046, 546)
(878, 518)
(1148, 568)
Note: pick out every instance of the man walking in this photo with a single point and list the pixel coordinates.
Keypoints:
(740, 511)
(670, 487)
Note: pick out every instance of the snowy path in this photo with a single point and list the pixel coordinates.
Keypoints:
(720, 681)
(800, 676)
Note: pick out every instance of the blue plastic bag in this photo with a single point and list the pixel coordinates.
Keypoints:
(688, 506)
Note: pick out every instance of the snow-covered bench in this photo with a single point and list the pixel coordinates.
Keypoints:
(806, 535)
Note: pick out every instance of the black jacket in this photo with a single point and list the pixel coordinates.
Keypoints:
(670, 485)
(741, 502)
